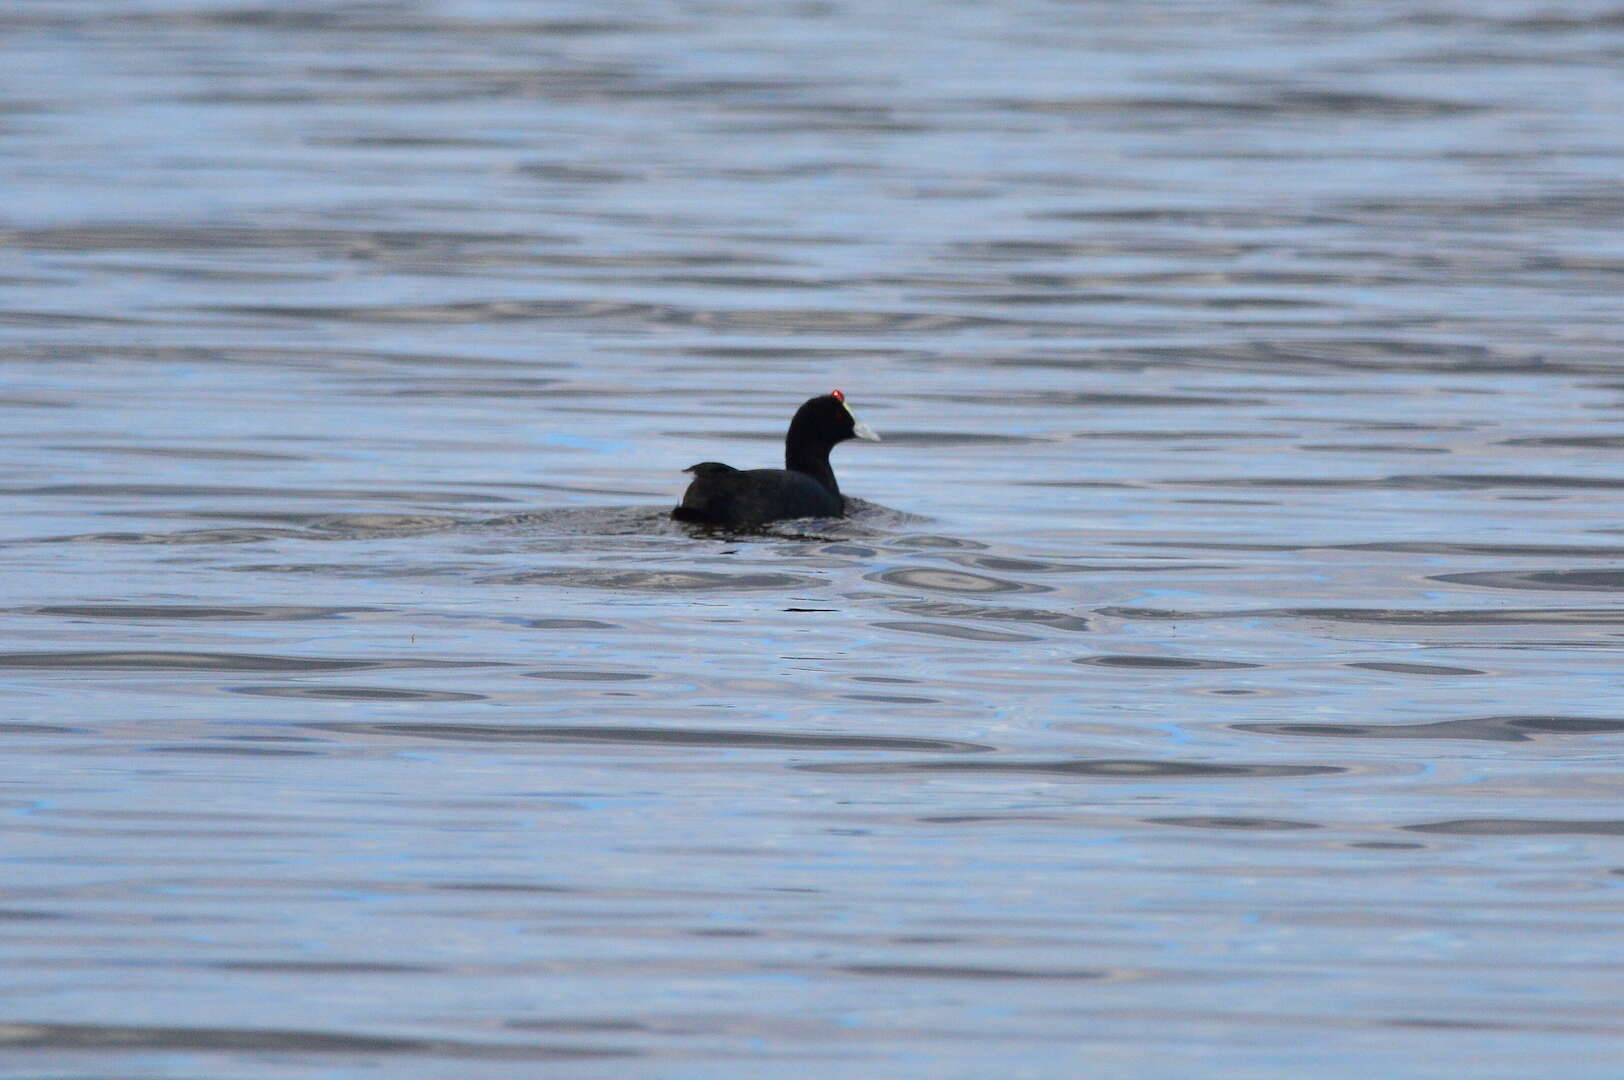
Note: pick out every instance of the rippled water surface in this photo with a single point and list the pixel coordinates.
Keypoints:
(1221, 673)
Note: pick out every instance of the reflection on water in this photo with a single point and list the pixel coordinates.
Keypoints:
(1218, 672)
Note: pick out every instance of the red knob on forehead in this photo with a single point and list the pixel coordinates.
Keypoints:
(837, 395)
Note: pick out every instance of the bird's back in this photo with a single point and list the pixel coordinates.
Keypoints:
(723, 495)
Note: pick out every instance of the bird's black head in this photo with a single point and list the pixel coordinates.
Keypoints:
(824, 421)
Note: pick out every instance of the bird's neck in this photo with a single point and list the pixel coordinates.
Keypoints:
(812, 459)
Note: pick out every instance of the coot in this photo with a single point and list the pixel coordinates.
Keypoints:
(805, 487)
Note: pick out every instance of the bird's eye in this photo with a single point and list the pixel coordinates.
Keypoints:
(838, 396)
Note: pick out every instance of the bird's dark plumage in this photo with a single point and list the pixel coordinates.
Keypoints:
(805, 487)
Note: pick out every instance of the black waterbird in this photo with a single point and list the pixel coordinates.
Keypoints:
(804, 487)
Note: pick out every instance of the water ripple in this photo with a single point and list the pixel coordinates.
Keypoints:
(1091, 768)
(1163, 663)
(68, 1038)
(656, 580)
(1393, 616)
(170, 660)
(1544, 580)
(199, 612)
(1477, 728)
(648, 736)
(952, 581)
(353, 693)
(1520, 827)
(951, 630)
(625, 313)
(941, 609)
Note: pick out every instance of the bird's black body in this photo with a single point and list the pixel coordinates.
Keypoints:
(806, 487)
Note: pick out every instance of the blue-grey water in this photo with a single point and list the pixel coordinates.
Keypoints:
(1221, 675)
